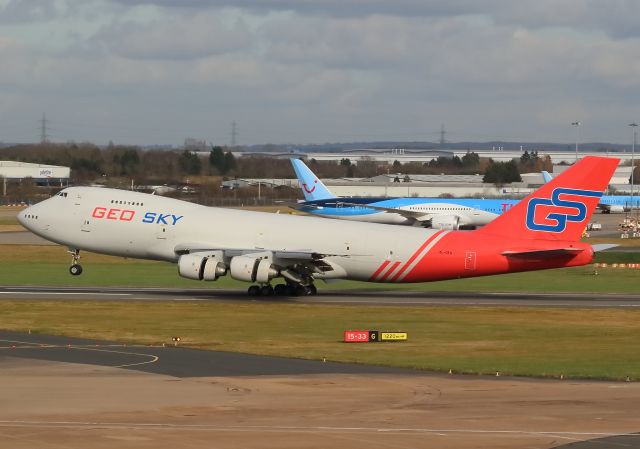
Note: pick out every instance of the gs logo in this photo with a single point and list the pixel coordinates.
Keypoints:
(558, 211)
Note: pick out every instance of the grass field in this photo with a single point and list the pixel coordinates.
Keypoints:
(575, 343)
(518, 341)
(47, 265)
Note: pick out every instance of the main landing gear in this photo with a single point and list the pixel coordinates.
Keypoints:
(288, 289)
(75, 269)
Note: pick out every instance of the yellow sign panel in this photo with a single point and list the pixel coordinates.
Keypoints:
(393, 336)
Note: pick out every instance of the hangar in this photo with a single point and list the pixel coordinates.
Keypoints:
(41, 174)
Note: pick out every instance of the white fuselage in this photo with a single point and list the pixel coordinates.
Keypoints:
(465, 215)
(138, 225)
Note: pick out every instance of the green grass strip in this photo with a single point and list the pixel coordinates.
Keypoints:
(575, 343)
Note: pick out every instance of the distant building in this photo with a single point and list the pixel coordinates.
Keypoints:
(12, 172)
(192, 144)
(41, 174)
(390, 155)
(401, 177)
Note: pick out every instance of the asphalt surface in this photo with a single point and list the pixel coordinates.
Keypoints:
(191, 363)
(615, 442)
(169, 360)
(350, 297)
(22, 238)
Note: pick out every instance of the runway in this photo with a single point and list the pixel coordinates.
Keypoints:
(347, 297)
(79, 393)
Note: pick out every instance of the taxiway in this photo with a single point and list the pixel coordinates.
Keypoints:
(77, 393)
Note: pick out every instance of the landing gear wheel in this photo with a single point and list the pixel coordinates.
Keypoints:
(254, 290)
(266, 290)
(306, 290)
(281, 290)
(75, 269)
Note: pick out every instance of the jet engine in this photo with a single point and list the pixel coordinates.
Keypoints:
(445, 222)
(615, 210)
(202, 266)
(252, 268)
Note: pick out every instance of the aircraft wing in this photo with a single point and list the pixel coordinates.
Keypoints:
(304, 205)
(541, 253)
(408, 214)
(302, 260)
(412, 215)
(190, 248)
(603, 247)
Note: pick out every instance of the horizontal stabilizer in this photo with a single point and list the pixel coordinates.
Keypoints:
(538, 253)
(603, 247)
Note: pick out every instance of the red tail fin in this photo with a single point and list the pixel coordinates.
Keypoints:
(560, 209)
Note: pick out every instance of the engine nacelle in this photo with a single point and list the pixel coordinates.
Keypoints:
(616, 209)
(445, 222)
(250, 268)
(202, 266)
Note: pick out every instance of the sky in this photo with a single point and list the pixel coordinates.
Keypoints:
(316, 71)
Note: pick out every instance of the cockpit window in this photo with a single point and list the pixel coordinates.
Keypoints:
(62, 194)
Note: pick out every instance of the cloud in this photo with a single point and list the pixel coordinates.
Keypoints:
(337, 8)
(21, 11)
(321, 70)
(616, 18)
(183, 37)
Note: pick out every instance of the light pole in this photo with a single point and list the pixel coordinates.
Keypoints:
(634, 125)
(577, 125)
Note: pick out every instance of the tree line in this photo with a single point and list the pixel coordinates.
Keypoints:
(117, 165)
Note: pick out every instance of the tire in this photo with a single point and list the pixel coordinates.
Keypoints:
(254, 290)
(312, 290)
(266, 290)
(280, 290)
(75, 270)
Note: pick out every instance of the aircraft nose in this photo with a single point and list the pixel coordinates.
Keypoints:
(27, 217)
(22, 217)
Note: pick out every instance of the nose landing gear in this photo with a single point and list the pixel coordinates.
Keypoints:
(75, 269)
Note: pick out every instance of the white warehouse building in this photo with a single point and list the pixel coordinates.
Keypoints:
(12, 171)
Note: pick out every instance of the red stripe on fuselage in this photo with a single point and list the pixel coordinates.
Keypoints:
(379, 270)
(390, 270)
(413, 257)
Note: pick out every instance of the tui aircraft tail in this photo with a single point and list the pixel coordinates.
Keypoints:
(561, 208)
(312, 187)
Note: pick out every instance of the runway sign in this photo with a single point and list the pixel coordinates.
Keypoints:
(356, 336)
(369, 336)
(394, 336)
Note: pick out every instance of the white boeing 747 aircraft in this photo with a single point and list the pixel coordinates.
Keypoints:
(542, 231)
